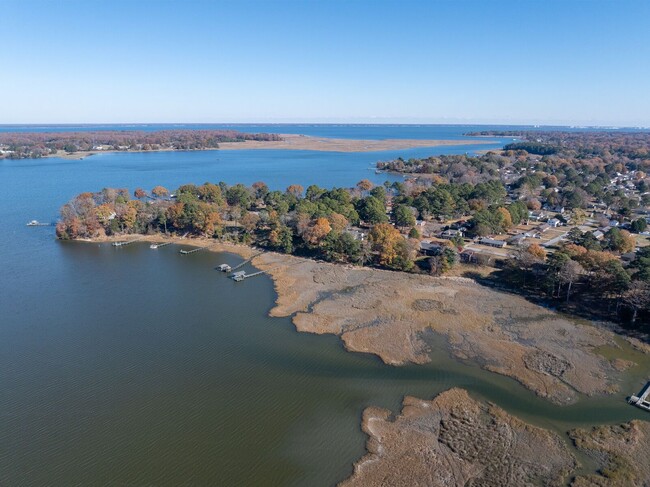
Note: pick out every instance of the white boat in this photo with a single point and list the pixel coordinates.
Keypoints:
(153, 246)
(34, 223)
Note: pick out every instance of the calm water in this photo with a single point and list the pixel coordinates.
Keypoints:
(139, 367)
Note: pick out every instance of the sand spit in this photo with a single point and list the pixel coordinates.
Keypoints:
(305, 142)
(454, 440)
(621, 452)
(299, 142)
(387, 313)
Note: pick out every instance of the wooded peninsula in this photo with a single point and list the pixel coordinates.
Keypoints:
(562, 227)
(30, 145)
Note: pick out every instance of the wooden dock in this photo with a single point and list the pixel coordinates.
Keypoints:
(158, 245)
(198, 249)
(641, 400)
(241, 275)
(126, 242)
(242, 264)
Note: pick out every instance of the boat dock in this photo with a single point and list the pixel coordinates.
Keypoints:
(198, 249)
(126, 242)
(242, 264)
(36, 223)
(241, 275)
(641, 400)
(158, 245)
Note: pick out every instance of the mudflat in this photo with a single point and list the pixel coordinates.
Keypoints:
(455, 440)
(389, 314)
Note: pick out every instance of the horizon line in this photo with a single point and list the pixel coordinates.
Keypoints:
(487, 124)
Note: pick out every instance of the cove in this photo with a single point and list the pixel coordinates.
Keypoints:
(148, 367)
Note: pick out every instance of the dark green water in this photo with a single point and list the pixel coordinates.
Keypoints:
(152, 368)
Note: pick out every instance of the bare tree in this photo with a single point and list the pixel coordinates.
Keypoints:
(637, 297)
(569, 273)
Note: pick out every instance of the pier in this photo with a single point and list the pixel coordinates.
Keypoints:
(158, 245)
(641, 400)
(127, 242)
(242, 264)
(241, 275)
(198, 249)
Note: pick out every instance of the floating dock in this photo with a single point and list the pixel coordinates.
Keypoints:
(36, 223)
(641, 400)
(224, 268)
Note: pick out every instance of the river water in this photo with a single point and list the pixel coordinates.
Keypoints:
(139, 367)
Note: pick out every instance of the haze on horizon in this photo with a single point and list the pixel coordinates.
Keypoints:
(534, 62)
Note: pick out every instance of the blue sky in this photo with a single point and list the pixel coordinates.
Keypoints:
(437, 61)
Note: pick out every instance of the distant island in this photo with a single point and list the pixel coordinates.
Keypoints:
(30, 145)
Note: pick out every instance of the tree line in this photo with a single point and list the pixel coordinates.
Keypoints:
(38, 144)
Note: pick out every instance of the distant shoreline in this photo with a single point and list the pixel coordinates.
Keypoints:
(299, 142)
(325, 144)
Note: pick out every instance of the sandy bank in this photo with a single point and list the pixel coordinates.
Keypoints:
(304, 142)
(300, 142)
(454, 440)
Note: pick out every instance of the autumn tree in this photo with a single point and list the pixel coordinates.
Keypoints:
(392, 250)
(160, 192)
(365, 185)
(260, 190)
(211, 193)
(295, 190)
(619, 241)
(317, 231)
(338, 222)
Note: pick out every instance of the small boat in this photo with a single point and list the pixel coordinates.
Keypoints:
(33, 223)
(153, 246)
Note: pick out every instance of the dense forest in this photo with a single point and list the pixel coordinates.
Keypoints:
(14, 145)
(572, 170)
(609, 145)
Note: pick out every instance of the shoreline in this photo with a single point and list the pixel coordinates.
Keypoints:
(386, 313)
(296, 142)
(316, 295)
